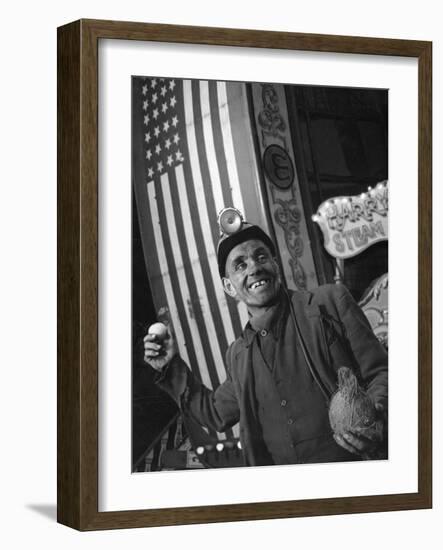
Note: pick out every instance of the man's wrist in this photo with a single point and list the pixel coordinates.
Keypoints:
(160, 374)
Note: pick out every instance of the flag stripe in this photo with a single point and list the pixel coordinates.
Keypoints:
(234, 307)
(220, 303)
(227, 149)
(175, 281)
(177, 327)
(245, 160)
(208, 139)
(245, 154)
(168, 272)
(229, 146)
(175, 196)
(200, 263)
(197, 257)
(218, 142)
(208, 162)
(217, 296)
(183, 278)
(198, 275)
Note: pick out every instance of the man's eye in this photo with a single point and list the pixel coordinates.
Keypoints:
(240, 266)
(262, 258)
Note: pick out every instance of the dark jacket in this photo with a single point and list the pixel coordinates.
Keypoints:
(336, 333)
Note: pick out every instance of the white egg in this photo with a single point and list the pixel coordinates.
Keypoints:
(160, 330)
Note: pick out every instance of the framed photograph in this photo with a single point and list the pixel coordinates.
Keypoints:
(244, 275)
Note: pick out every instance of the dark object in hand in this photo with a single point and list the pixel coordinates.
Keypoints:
(351, 409)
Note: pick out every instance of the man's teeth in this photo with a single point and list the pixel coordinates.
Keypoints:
(258, 283)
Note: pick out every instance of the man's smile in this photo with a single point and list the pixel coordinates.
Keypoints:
(259, 284)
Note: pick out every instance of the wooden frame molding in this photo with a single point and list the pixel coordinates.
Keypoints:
(77, 110)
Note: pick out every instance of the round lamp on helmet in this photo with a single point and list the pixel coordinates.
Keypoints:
(230, 221)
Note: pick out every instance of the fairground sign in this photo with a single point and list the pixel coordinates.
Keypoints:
(352, 224)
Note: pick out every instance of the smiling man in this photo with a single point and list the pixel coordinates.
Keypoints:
(282, 370)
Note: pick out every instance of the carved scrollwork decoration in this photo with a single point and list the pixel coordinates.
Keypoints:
(270, 120)
(288, 216)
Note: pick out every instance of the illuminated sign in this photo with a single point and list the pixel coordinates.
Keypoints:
(352, 224)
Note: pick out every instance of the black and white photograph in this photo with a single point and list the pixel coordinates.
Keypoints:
(259, 274)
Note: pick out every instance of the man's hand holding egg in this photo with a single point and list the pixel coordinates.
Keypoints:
(159, 346)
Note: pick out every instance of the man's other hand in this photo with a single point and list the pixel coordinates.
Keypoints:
(364, 442)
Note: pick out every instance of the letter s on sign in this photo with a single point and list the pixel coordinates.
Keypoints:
(339, 245)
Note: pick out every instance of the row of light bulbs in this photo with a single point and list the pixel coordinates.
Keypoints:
(344, 200)
(219, 447)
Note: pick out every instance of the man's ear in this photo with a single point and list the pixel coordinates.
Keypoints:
(228, 287)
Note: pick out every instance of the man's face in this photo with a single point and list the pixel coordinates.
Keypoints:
(252, 275)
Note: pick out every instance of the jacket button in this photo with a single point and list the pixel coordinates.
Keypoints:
(290, 421)
(264, 332)
(283, 403)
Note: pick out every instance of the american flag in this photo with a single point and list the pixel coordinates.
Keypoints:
(193, 154)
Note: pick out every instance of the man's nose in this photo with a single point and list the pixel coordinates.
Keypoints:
(253, 267)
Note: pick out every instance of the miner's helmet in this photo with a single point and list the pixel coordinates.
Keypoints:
(235, 230)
